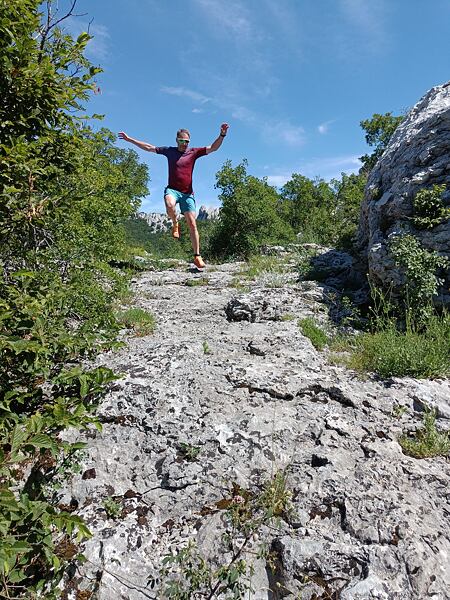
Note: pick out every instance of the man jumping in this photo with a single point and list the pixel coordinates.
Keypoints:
(181, 160)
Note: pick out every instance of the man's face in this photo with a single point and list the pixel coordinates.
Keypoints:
(183, 141)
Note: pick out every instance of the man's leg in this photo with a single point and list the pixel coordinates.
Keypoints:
(172, 214)
(193, 231)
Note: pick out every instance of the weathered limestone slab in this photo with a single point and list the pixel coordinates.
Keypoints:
(368, 521)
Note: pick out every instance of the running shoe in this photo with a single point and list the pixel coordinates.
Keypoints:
(176, 231)
(198, 262)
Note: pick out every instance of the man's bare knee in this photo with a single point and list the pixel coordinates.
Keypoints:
(170, 202)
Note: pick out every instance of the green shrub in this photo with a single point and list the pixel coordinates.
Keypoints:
(421, 283)
(427, 441)
(317, 336)
(64, 191)
(246, 515)
(429, 208)
(249, 214)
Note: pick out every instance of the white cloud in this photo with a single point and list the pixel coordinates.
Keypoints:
(184, 92)
(230, 17)
(271, 130)
(278, 180)
(324, 127)
(197, 110)
(285, 132)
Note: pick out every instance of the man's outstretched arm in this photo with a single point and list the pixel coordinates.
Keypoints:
(218, 141)
(142, 145)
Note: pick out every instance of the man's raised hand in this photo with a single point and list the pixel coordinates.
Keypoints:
(123, 136)
(224, 128)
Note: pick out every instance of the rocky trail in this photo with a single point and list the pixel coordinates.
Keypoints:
(227, 391)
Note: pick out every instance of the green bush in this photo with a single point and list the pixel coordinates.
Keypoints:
(429, 208)
(64, 192)
(421, 282)
(249, 214)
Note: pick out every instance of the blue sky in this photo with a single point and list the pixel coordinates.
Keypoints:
(293, 78)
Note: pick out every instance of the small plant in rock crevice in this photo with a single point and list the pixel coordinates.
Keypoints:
(261, 266)
(188, 575)
(427, 442)
(429, 207)
(398, 410)
(141, 321)
(206, 348)
(188, 451)
(315, 334)
(113, 509)
(197, 282)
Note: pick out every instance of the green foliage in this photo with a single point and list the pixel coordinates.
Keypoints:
(427, 441)
(429, 208)
(324, 213)
(142, 322)
(308, 207)
(423, 353)
(349, 194)
(196, 282)
(64, 191)
(188, 575)
(317, 336)
(379, 130)
(188, 451)
(248, 217)
(161, 244)
(206, 348)
(287, 317)
(259, 264)
(421, 282)
(113, 509)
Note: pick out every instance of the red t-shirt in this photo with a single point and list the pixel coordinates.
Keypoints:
(181, 166)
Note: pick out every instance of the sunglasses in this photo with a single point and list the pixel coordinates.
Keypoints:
(180, 141)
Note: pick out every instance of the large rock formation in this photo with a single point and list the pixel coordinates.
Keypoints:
(418, 156)
(158, 222)
(161, 222)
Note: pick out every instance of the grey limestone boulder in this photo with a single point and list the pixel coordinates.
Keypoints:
(417, 157)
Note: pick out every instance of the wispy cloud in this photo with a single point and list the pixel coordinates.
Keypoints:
(186, 93)
(285, 132)
(368, 20)
(228, 18)
(271, 130)
(324, 127)
(326, 168)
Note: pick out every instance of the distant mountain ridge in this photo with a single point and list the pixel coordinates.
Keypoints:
(160, 222)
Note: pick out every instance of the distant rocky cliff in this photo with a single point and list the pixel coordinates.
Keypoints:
(417, 157)
(161, 222)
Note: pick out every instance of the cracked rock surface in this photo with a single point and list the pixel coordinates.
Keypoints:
(231, 375)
